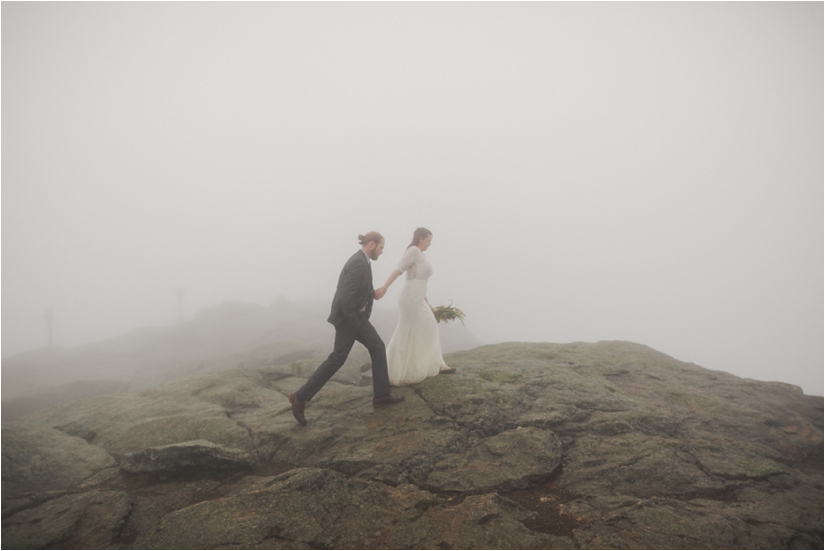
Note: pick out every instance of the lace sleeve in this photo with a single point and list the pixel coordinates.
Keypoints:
(408, 259)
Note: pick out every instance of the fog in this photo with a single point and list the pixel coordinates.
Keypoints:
(650, 172)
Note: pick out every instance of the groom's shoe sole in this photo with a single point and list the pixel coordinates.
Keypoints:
(297, 408)
(387, 400)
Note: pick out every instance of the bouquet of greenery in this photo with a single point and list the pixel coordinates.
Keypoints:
(448, 313)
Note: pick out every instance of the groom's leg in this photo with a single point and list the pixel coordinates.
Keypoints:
(344, 339)
(369, 337)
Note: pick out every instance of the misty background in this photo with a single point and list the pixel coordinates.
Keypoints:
(650, 172)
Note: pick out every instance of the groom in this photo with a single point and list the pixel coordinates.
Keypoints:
(351, 308)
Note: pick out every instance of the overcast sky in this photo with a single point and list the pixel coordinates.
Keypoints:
(650, 172)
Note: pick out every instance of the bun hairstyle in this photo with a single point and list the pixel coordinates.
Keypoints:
(371, 236)
(418, 235)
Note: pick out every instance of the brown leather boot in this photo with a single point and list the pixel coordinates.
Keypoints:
(297, 407)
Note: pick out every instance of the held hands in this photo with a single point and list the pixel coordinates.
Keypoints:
(381, 291)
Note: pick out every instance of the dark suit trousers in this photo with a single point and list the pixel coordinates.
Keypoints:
(345, 337)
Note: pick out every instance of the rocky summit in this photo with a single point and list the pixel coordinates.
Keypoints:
(561, 446)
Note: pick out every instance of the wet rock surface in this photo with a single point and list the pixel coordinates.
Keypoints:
(41, 459)
(606, 445)
(87, 520)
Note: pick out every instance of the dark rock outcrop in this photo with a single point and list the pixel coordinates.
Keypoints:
(186, 458)
(606, 445)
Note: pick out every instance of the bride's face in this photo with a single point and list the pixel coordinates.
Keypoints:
(424, 244)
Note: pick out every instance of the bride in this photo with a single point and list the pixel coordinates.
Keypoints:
(414, 352)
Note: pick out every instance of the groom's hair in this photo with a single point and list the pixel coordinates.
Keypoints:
(371, 236)
(418, 235)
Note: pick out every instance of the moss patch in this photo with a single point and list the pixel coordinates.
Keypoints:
(499, 376)
(447, 388)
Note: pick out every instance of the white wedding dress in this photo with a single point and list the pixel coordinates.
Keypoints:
(414, 352)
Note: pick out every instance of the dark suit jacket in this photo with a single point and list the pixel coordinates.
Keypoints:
(354, 291)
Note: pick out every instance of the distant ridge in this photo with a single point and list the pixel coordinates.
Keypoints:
(217, 338)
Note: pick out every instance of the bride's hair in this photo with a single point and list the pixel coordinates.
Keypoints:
(371, 236)
(418, 235)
